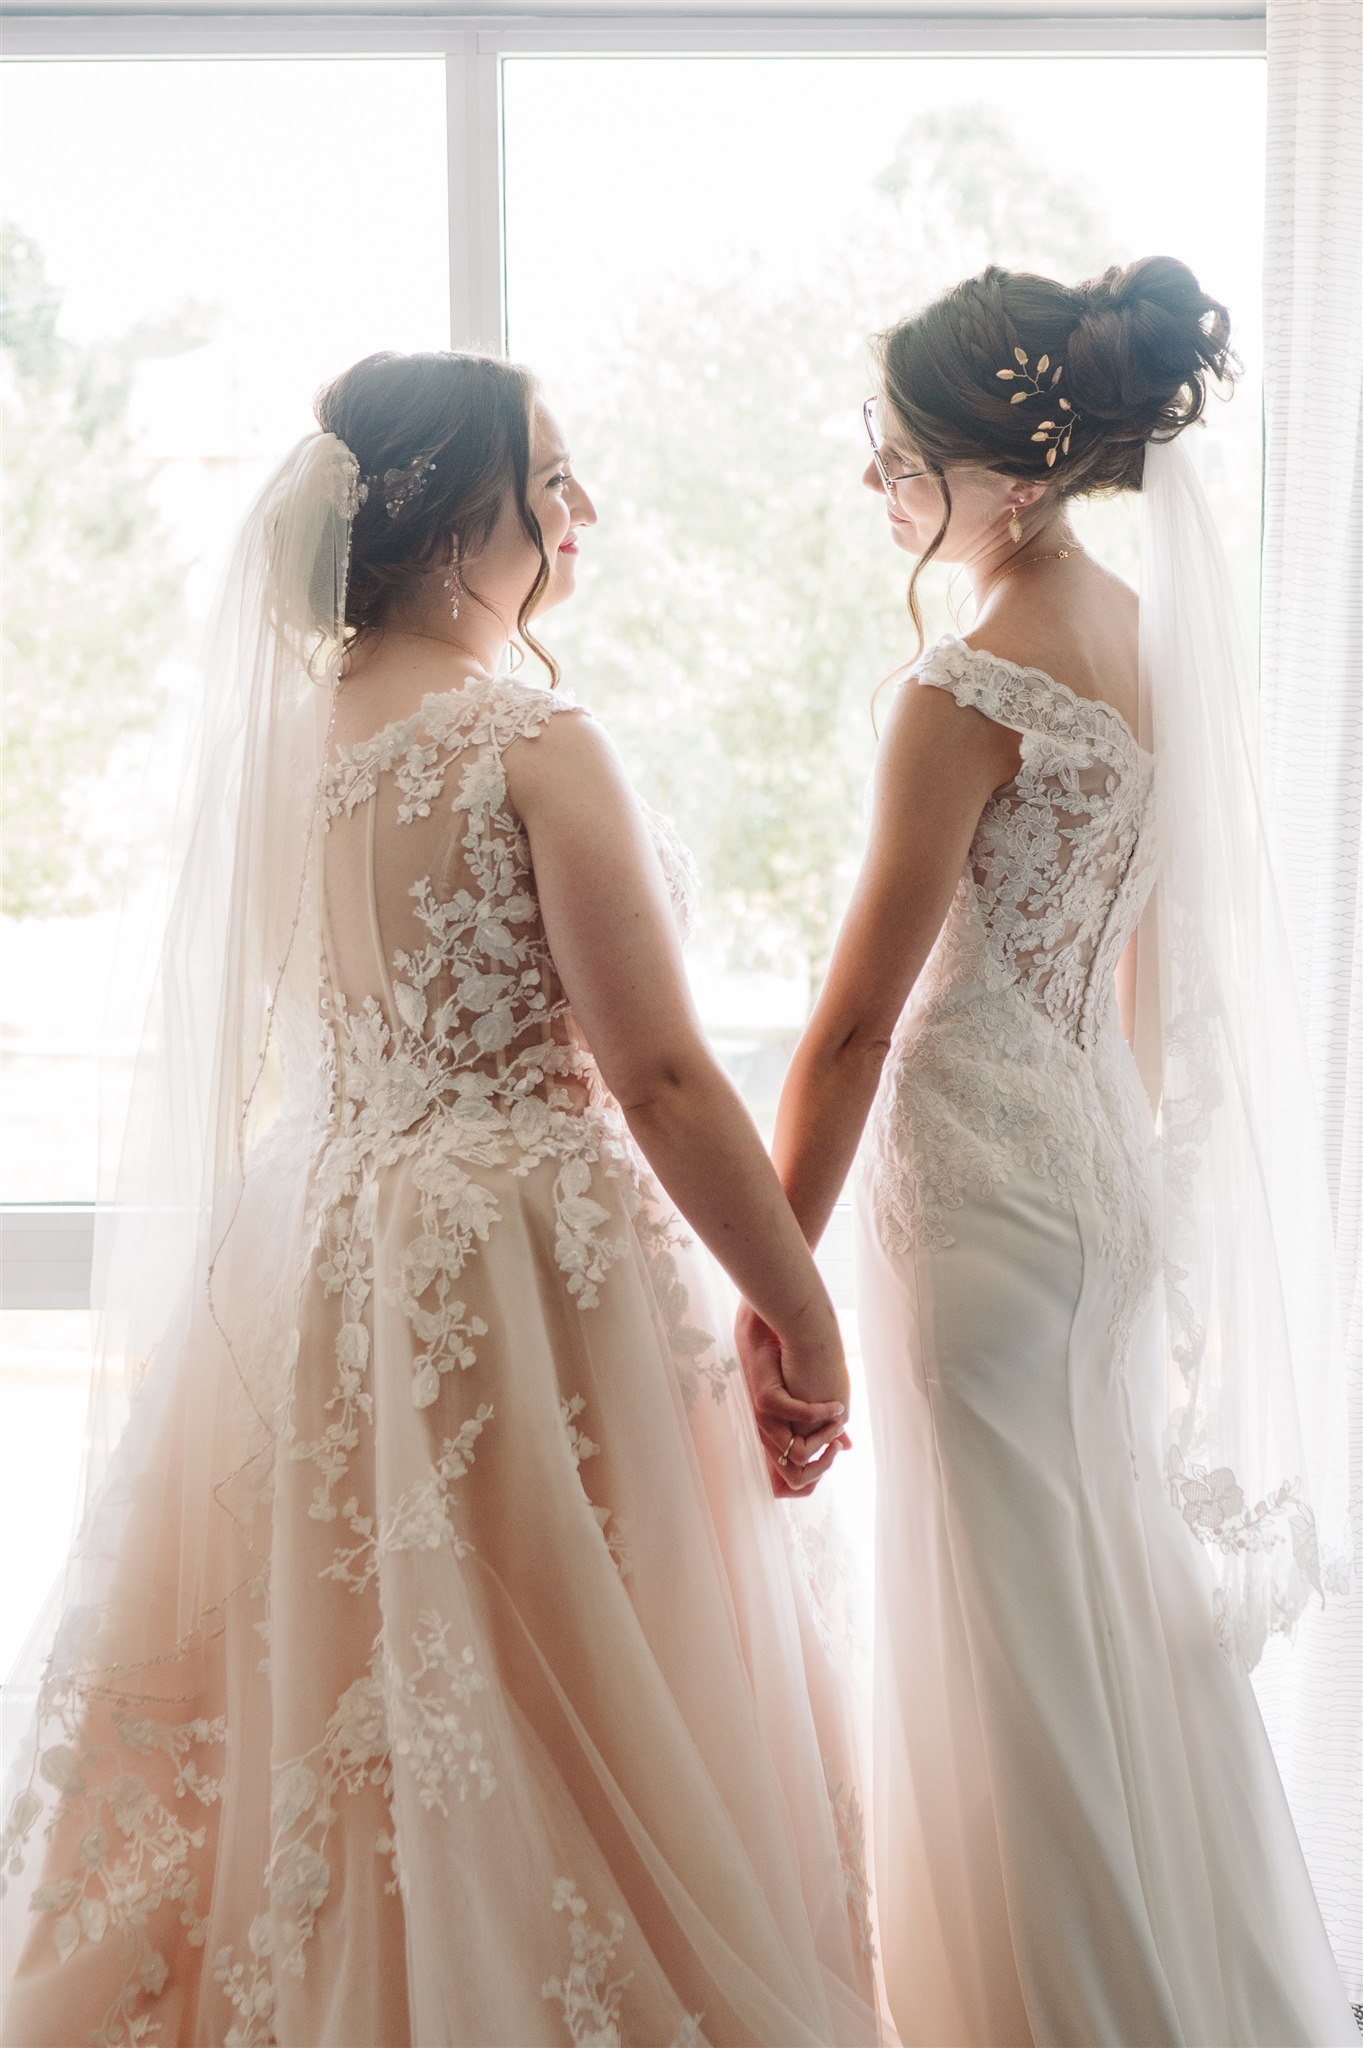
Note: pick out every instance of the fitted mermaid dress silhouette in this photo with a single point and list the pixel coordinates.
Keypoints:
(1080, 1835)
(498, 1714)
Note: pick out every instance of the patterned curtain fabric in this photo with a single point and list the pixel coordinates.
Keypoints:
(1312, 739)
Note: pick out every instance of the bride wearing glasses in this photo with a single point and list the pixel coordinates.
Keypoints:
(1079, 1336)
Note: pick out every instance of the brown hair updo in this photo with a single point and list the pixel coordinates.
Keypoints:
(1119, 361)
(440, 437)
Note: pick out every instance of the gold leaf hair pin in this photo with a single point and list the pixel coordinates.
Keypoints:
(1054, 432)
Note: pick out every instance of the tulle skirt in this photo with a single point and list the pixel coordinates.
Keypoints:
(494, 1709)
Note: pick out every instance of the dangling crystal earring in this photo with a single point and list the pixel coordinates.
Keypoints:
(1015, 527)
(453, 582)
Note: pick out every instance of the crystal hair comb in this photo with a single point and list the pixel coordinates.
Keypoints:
(403, 486)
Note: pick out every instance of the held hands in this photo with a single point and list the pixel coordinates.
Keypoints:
(799, 1392)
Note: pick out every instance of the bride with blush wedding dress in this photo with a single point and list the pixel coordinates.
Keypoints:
(1096, 1487)
(431, 1666)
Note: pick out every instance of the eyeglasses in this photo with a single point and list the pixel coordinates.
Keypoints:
(890, 482)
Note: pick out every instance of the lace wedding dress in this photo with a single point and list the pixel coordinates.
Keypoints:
(1080, 1835)
(495, 1712)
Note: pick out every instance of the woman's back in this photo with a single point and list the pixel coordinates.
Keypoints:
(1075, 620)
(1062, 856)
(435, 955)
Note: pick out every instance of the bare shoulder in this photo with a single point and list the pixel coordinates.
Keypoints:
(930, 737)
(564, 734)
(1075, 620)
(567, 757)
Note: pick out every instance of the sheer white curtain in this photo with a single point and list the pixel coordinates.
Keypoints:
(1312, 737)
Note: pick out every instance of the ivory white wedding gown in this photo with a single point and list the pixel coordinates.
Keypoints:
(494, 1712)
(1080, 1835)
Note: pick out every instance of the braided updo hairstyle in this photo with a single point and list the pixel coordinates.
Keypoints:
(440, 438)
(1068, 383)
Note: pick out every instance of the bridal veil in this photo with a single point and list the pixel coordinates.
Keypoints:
(1252, 1340)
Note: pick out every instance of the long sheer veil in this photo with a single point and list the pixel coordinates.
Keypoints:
(224, 1080)
(1254, 1453)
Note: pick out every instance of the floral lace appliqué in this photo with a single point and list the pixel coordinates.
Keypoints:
(137, 1838)
(589, 1991)
(452, 1077)
(850, 1822)
(1008, 1055)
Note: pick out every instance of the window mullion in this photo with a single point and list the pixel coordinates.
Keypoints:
(46, 1253)
(474, 143)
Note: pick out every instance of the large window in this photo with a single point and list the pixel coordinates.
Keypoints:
(694, 245)
(190, 249)
(696, 254)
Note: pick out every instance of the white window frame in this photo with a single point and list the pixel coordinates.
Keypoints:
(45, 1249)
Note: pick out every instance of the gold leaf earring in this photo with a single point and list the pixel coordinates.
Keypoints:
(1015, 527)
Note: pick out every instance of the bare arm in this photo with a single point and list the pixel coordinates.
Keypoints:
(937, 767)
(613, 937)
(1126, 991)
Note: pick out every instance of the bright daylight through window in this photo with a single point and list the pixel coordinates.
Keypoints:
(151, 378)
(703, 339)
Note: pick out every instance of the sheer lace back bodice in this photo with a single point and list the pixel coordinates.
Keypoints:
(434, 950)
(1061, 862)
(439, 986)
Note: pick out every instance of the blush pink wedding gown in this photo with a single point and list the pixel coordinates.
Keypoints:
(433, 1668)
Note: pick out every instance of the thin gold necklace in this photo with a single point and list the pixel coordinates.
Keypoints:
(1056, 555)
(436, 640)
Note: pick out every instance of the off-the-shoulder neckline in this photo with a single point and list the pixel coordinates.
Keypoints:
(1018, 668)
(352, 752)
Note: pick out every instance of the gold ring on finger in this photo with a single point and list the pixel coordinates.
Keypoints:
(784, 1458)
